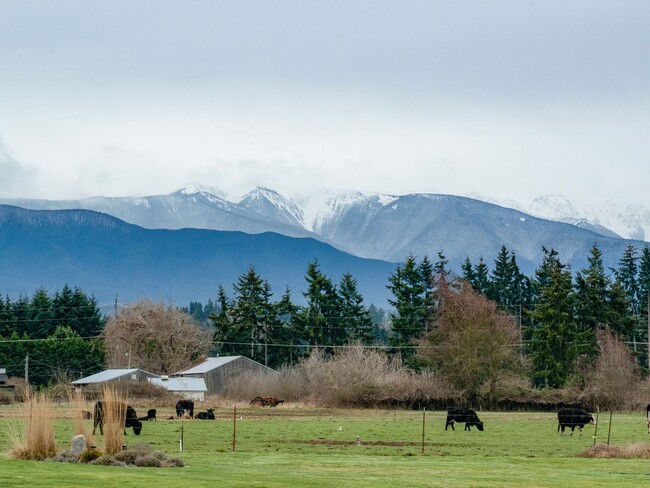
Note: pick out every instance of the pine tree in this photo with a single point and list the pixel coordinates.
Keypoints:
(482, 281)
(557, 341)
(41, 315)
(321, 317)
(409, 302)
(592, 292)
(356, 321)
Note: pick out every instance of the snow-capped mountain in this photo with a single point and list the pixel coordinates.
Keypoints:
(388, 227)
(610, 218)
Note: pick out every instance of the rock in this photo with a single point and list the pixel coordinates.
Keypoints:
(78, 444)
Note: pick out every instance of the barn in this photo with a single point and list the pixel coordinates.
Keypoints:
(220, 371)
(189, 388)
(113, 376)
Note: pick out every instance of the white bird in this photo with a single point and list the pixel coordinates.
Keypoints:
(340, 429)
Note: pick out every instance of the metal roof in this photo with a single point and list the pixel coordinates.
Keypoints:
(180, 384)
(107, 375)
(208, 365)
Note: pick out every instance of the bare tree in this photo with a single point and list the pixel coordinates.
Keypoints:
(157, 338)
(474, 345)
(615, 379)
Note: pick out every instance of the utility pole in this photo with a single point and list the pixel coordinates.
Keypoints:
(115, 314)
(27, 369)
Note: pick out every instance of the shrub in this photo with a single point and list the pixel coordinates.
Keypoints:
(106, 460)
(64, 457)
(127, 456)
(148, 461)
(89, 455)
(174, 462)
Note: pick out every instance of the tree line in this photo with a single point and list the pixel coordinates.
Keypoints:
(550, 320)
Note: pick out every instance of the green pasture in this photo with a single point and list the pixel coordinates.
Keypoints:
(308, 447)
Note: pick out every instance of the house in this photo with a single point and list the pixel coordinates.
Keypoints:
(219, 372)
(113, 376)
(189, 388)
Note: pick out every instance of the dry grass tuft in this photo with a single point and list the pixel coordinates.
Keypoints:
(37, 441)
(114, 419)
(635, 451)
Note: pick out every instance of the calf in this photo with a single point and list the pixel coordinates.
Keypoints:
(266, 401)
(209, 415)
(463, 415)
(573, 417)
(647, 413)
(122, 410)
(151, 415)
(86, 415)
(185, 406)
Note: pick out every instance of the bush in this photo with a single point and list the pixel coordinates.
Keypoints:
(89, 455)
(149, 461)
(64, 457)
(174, 462)
(105, 460)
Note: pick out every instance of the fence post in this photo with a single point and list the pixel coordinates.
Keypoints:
(424, 417)
(234, 428)
(609, 430)
(596, 429)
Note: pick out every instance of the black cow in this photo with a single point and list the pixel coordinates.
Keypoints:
(573, 417)
(209, 415)
(460, 414)
(151, 415)
(647, 413)
(123, 410)
(185, 406)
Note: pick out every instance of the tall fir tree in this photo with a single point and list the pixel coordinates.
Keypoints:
(408, 289)
(356, 321)
(556, 340)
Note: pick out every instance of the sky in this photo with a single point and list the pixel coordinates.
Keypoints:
(506, 98)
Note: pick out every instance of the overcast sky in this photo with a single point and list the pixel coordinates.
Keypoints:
(506, 98)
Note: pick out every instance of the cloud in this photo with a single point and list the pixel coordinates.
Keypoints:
(16, 179)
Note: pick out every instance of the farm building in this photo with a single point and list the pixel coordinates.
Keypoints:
(219, 372)
(189, 388)
(113, 376)
(4, 386)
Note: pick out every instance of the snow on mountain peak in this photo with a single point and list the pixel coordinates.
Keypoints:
(193, 188)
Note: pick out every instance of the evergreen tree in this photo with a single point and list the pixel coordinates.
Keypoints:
(468, 273)
(288, 313)
(592, 291)
(254, 315)
(356, 321)
(41, 315)
(320, 319)
(409, 302)
(644, 296)
(557, 341)
(482, 278)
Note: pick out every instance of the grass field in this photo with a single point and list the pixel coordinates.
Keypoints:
(308, 447)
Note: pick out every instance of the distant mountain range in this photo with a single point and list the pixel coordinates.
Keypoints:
(111, 258)
(363, 233)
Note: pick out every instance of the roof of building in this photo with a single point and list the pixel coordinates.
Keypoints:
(180, 384)
(3, 375)
(213, 363)
(108, 375)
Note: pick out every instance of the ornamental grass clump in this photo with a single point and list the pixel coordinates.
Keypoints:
(114, 416)
(37, 440)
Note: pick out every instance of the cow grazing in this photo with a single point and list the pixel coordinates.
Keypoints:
(185, 406)
(573, 417)
(209, 415)
(151, 415)
(266, 401)
(647, 414)
(122, 410)
(463, 415)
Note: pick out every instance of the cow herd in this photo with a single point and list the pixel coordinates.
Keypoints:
(567, 417)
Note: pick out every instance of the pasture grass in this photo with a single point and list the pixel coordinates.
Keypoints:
(311, 447)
